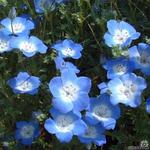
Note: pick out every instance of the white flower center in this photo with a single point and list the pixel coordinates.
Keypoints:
(91, 132)
(27, 131)
(24, 86)
(68, 51)
(17, 27)
(28, 47)
(64, 123)
(69, 92)
(121, 36)
(102, 111)
(120, 69)
(3, 45)
(127, 90)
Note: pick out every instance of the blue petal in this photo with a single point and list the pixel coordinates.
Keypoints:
(112, 84)
(29, 25)
(27, 141)
(55, 114)
(100, 141)
(16, 41)
(77, 55)
(112, 26)
(77, 47)
(84, 84)
(20, 124)
(85, 140)
(103, 87)
(109, 40)
(64, 136)
(50, 126)
(114, 100)
(33, 92)
(146, 70)
(35, 81)
(109, 123)
(124, 25)
(12, 83)
(143, 46)
(61, 105)
(6, 22)
(79, 127)
(55, 85)
(69, 76)
(18, 135)
(141, 83)
(58, 46)
(42, 48)
(90, 119)
(135, 102)
(133, 52)
(81, 102)
(135, 36)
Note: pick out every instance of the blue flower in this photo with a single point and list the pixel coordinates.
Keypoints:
(120, 34)
(102, 110)
(64, 125)
(26, 132)
(17, 26)
(70, 92)
(24, 83)
(67, 48)
(5, 43)
(117, 67)
(61, 65)
(148, 105)
(46, 5)
(93, 134)
(140, 55)
(127, 89)
(29, 45)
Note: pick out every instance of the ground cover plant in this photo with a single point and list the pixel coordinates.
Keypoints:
(74, 74)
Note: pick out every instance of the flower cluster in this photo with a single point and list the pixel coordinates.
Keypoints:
(73, 111)
(125, 86)
(15, 35)
(70, 98)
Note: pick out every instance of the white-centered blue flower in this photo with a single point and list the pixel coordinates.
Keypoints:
(127, 89)
(5, 43)
(70, 91)
(26, 132)
(61, 64)
(102, 110)
(67, 48)
(120, 34)
(117, 67)
(17, 26)
(94, 133)
(24, 83)
(29, 45)
(140, 55)
(64, 125)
